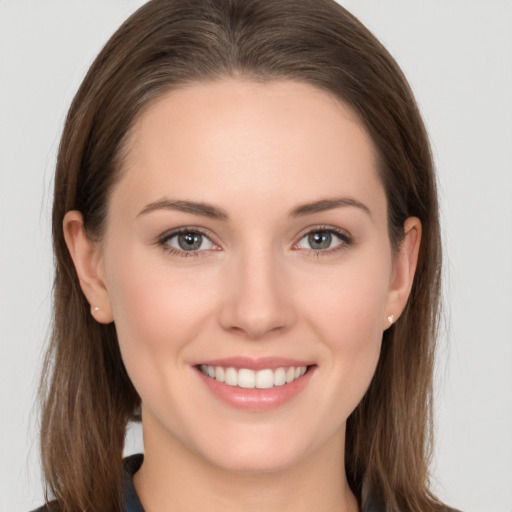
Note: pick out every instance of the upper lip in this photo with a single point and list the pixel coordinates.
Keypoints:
(260, 363)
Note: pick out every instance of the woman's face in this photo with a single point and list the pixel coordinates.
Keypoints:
(246, 243)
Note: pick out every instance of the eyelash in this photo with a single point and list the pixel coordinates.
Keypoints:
(164, 242)
(345, 241)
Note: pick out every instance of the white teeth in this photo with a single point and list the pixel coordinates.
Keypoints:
(231, 377)
(265, 379)
(220, 375)
(250, 379)
(246, 378)
(279, 377)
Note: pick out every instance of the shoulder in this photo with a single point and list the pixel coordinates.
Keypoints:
(131, 465)
(47, 508)
(371, 503)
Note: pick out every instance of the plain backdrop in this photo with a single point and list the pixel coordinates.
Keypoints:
(457, 55)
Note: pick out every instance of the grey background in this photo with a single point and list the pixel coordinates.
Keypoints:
(457, 55)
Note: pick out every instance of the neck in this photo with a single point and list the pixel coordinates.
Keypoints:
(173, 478)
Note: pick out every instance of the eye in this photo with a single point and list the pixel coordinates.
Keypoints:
(187, 241)
(324, 240)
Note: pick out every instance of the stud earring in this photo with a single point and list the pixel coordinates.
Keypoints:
(391, 318)
(96, 309)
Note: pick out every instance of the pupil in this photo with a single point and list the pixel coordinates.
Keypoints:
(320, 240)
(190, 241)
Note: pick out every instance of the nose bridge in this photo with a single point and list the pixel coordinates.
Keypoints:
(257, 302)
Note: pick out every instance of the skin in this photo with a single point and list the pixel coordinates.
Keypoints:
(255, 288)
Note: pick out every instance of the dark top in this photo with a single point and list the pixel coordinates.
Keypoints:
(131, 466)
(132, 503)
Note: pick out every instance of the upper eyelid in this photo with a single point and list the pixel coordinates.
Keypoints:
(163, 242)
(186, 229)
(333, 229)
(346, 240)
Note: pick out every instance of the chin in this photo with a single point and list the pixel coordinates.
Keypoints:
(256, 457)
(261, 464)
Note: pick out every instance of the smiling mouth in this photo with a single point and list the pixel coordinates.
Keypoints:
(253, 379)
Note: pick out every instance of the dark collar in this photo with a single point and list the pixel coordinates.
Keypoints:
(130, 466)
(132, 504)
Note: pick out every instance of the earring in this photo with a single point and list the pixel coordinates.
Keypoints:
(96, 309)
(391, 318)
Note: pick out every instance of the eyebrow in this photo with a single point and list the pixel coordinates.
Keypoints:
(204, 209)
(328, 204)
(213, 212)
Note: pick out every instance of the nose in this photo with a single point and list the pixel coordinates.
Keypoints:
(258, 300)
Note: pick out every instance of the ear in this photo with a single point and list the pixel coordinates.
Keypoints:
(87, 258)
(404, 268)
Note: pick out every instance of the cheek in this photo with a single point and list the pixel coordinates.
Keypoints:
(350, 302)
(347, 315)
(156, 311)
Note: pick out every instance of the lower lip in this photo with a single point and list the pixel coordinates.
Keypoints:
(256, 399)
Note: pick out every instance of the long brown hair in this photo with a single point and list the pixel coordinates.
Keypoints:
(87, 395)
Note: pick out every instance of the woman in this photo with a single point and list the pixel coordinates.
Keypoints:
(247, 244)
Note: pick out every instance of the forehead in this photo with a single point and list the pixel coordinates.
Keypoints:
(235, 140)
